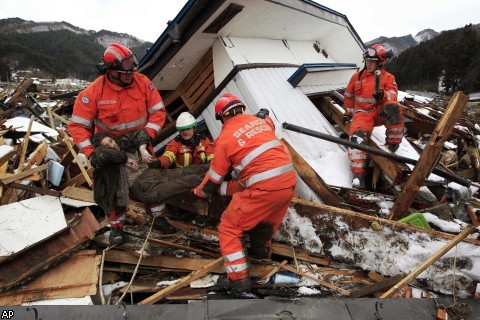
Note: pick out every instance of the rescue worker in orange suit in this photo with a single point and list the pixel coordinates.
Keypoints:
(264, 184)
(178, 170)
(119, 101)
(367, 108)
(188, 147)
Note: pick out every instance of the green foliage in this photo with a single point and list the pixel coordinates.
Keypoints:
(453, 56)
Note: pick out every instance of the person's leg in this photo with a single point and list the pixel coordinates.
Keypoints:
(391, 116)
(360, 130)
(116, 219)
(270, 208)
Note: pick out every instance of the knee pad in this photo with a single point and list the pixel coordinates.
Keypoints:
(391, 113)
(359, 136)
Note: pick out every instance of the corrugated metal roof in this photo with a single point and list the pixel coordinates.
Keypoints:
(269, 88)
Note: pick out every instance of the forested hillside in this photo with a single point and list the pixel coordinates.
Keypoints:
(453, 57)
(58, 53)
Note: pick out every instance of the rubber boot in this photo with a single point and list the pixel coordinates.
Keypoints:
(116, 235)
(237, 286)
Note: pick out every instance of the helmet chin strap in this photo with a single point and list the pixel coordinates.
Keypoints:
(118, 80)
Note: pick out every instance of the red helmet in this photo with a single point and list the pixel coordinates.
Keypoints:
(377, 52)
(118, 57)
(226, 103)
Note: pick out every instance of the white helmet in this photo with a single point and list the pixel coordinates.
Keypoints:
(185, 121)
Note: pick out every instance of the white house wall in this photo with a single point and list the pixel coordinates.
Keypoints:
(269, 88)
(231, 51)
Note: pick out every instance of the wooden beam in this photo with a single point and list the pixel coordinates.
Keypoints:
(78, 180)
(186, 248)
(183, 282)
(428, 262)
(28, 264)
(323, 283)
(24, 174)
(312, 179)
(378, 286)
(35, 189)
(25, 145)
(67, 141)
(431, 152)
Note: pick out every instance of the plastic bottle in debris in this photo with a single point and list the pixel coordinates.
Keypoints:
(285, 277)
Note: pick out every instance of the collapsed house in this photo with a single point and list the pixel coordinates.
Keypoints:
(293, 58)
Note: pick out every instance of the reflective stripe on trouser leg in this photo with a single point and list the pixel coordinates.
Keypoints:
(394, 134)
(358, 161)
(157, 209)
(246, 210)
(116, 219)
(236, 265)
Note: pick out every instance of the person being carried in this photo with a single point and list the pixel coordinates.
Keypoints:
(114, 166)
(180, 168)
(264, 184)
(371, 100)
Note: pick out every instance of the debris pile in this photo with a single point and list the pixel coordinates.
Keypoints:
(358, 243)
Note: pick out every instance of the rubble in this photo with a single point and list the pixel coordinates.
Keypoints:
(54, 239)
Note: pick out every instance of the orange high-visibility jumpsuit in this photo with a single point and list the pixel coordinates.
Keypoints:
(104, 106)
(183, 155)
(265, 185)
(369, 113)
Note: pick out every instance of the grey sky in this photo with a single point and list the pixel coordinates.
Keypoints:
(146, 19)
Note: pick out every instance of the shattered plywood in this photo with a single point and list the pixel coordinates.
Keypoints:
(29, 264)
(24, 223)
(76, 277)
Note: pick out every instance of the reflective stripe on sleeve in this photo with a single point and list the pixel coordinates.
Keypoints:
(81, 121)
(268, 174)
(83, 144)
(349, 95)
(215, 175)
(156, 107)
(223, 188)
(153, 126)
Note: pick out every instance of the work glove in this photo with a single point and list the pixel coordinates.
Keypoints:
(155, 164)
(263, 113)
(378, 95)
(196, 191)
(346, 118)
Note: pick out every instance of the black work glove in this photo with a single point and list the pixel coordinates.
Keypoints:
(263, 113)
(155, 164)
(378, 95)
(346, 119)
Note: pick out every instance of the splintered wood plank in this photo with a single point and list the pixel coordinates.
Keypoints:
(66, 139)
(186, 264)
(25, 141)
(24, 174)
(323, 283)
(383, 284)
(280, 249)
(428, 262)
(86, 195)
(25, 223)
(40, 258)
(78, 179)
(312, 179)
(183, 282)
(431, 151)
(76, 277)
